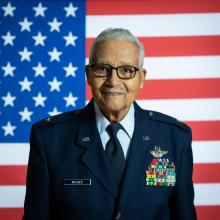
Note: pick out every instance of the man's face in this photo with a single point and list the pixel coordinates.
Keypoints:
(112, 94)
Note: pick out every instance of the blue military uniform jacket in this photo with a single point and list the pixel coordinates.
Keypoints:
(69, 177)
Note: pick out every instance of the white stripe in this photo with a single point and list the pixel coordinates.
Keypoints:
(206, 152)
(13, 196)
(183, 67)
(157, 25)
(14, 154)
(190, 67)
(207, 194)
(185, 109)
(17, 154)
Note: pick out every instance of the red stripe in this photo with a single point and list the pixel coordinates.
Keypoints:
(13, 175)
(205, 130)
(181, 46)
(122, 7)
(206, 173)
(176, 89)
(208, 212)
(203, 213)
(176, 46)
(202, 130)
(203, 173)
(11, 213)
(183, 88)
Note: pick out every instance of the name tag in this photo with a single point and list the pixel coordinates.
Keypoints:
(78, 182)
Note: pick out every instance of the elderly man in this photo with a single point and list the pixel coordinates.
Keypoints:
(112, 159)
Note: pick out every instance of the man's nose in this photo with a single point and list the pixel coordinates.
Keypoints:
(113, 77)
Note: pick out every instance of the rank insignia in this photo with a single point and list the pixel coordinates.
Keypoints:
(157, 152)
(161, 172)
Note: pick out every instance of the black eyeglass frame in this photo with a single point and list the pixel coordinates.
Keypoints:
(114, 68)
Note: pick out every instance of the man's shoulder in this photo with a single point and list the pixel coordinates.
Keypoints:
(166, 119)
(57, 119)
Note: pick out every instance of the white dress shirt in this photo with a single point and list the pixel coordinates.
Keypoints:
(124, 136)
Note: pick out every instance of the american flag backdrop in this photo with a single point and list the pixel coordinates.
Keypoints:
(44, 46)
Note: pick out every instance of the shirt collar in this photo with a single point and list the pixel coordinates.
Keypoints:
(127, 122)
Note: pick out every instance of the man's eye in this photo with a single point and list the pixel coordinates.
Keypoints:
(127, 69)
(102, 69)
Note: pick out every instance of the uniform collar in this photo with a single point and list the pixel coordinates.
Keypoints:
(127, 122)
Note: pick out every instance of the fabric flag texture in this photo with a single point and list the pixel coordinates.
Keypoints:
(44, 46)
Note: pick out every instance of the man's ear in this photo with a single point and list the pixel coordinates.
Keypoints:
(88, 74)
(143, 76)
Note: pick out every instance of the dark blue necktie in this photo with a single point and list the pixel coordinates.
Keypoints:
(114, 151)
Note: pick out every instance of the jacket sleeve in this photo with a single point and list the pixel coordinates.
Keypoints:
(183, 201)
(36, 204)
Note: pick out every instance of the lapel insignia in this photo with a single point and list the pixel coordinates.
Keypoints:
(85, 139)
(161, 172)
(157, 152)
(146, 138)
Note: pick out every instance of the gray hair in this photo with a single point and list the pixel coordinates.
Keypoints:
(117, 34)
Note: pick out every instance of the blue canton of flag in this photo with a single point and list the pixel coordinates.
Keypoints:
(42, 58)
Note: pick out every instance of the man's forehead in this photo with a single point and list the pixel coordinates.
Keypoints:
(114, 63)
(115, 48)
(114, 43)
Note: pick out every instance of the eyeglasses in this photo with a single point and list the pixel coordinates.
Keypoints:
(123, 72)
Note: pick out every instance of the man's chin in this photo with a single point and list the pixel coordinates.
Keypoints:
(113, 101)
(113, 106)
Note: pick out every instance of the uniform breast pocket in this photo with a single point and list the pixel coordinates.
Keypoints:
(77, 185)
(73, 188)
(159, 190)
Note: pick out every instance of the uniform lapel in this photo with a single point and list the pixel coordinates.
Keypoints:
(139, 155)
(94, 156)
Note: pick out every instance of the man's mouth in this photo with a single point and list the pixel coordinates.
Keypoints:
(111, 92)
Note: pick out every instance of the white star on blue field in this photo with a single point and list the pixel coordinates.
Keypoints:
(42, 59)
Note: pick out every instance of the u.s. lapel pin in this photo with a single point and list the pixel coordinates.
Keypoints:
(85, 139)
(157, 152)
(146, 138)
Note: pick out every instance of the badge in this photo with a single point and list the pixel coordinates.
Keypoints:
(158, 152)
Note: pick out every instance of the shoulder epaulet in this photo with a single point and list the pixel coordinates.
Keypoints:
(58, 118)
(157, 116)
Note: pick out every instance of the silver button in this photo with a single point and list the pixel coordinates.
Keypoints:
(151, 114)
(118, 216)
(48, 119)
